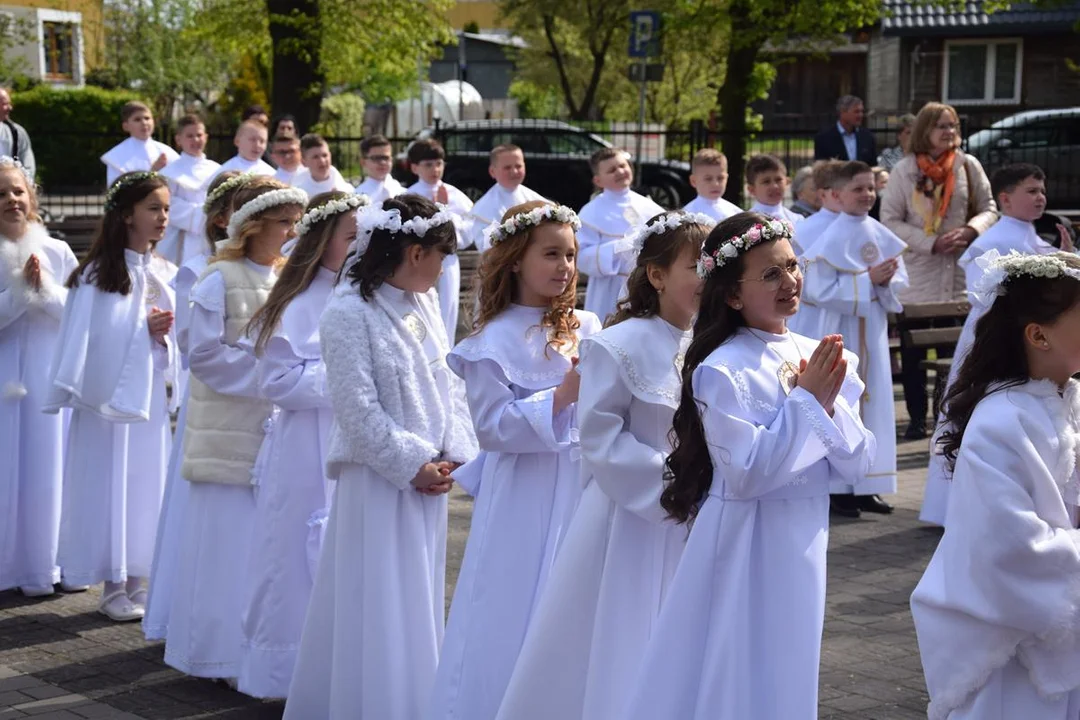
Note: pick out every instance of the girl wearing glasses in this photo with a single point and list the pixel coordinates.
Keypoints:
(767, 420)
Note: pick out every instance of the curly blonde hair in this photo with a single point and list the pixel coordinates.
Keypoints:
(496, 286)
(238, 248)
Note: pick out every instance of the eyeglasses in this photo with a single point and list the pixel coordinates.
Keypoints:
(774, 276)
(378, 158)
(946, 126)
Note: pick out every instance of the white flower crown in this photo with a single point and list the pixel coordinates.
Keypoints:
(8, 161)
(668, 221)
(274, 198)
(122, 182)
(998, 268)
(233, 182)
(328, 210)
(725, 251)
(375, 218)
(520, 222)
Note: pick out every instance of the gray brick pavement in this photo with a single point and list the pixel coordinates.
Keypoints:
(59, 659)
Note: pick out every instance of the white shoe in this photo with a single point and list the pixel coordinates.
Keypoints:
(71, 588)
(138, 598)
(34, 591)
(119, 608)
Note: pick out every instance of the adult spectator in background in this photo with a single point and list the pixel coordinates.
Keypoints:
(891, 156)
(806, 195)
(284, 125)
(847, 139)
(938, 200)
(258, 114)
(14, 142)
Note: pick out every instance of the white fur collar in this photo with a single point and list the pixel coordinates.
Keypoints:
(15, 253)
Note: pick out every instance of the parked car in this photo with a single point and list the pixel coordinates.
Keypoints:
(1047, 138)
(556, 160)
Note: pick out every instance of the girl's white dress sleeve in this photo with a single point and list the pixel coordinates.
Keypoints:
(289, 381)
(224, 368)
(598, 255)
(505, 423)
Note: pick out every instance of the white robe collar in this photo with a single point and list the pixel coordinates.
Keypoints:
(1005, 235)
(380, 190)
(812, 228)
(497, 200)
(134, 154)
(290, 177)
(315, 187)
(190, 172)
(240, 164)
(615, 212)
(779, 212)
(650, 355)
(853, 243)
(459, 202)
(719, 209)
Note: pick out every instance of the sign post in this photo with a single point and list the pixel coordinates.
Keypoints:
(644, 44)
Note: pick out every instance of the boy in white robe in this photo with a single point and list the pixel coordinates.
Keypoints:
(188, 178)
(853, 276)
(766, 181)
(139, 151)
(427, 160)
(507, 168)
(321, 176)
(807, 321)
(285, 152)
(709, 176)
(250, 142)
(1020, 191)
(377, 158)
(606, 223)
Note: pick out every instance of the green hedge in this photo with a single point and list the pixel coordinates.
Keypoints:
(70, 131)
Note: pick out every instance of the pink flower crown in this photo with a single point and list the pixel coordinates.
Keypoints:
(733, 247)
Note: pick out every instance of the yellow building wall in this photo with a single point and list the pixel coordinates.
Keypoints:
(482, 12)
(93, 30)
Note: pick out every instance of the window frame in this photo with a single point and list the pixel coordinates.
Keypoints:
(48, 16)
(991, 45)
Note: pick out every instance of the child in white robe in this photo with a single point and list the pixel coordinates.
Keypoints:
(997, 611)
(606, 222)
(427, 159)
(854, 273)
(115, 355)
(292, 493)
(709, 176)
(377, 158)
(507, 169)
(217, 209)
(33, 268)
(139, 152)
(250, 142)
(223, 431)
(518, 366)
(613, 570)
(374, 624)
(321, 176)
(766, 421)
(188, 178)
(808, 320)
(766, 183)
(1020, 192)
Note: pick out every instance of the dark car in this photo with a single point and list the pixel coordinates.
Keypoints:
(556, 161)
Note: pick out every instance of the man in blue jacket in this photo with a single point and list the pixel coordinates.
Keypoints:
(847, 139)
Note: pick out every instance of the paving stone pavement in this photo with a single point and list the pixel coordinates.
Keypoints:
(59, 659)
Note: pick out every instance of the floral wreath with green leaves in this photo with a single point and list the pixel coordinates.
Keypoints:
(124, 181)
(731, 248)
(328, 210)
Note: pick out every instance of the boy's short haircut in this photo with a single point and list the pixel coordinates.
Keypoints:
(131, 107)
(250, 125)
(372, 141)
(708, 157)
(1007, 177)
(286, 138)
(848, 171)
(188, 120)
(602, 155)
(824, 173)
(760, 164)
(425, 149)
(500, 149)
(801, 176)
(311, 141)
(251, 111)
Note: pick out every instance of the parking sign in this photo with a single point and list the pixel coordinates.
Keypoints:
(644, 34)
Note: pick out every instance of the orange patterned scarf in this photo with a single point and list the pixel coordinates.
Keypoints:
(934, 189)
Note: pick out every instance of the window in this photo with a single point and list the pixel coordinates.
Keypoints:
(59, 45)
(982, 72)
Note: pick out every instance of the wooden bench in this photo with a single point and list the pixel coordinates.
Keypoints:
(938, 326)
(77, 231)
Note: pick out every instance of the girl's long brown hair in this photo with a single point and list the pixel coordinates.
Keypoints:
(220, 209)
(299, 271)
(998, 355)
(689, 470)
(238, 247)
(660, 250)
(108, 268)
(496, 285)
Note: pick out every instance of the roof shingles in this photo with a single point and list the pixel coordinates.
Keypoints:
(905, 18)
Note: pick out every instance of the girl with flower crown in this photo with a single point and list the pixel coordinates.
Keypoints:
(217, 210)
(115, 355)
(519, 370)
(223, 431)
(766, 420)
(33, 267)
(293, 494)
(616, 563)
(374, 624)
(997, 611)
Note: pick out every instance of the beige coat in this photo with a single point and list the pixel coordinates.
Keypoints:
(934, 277)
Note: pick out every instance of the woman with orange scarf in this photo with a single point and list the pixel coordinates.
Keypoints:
(938, 201)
